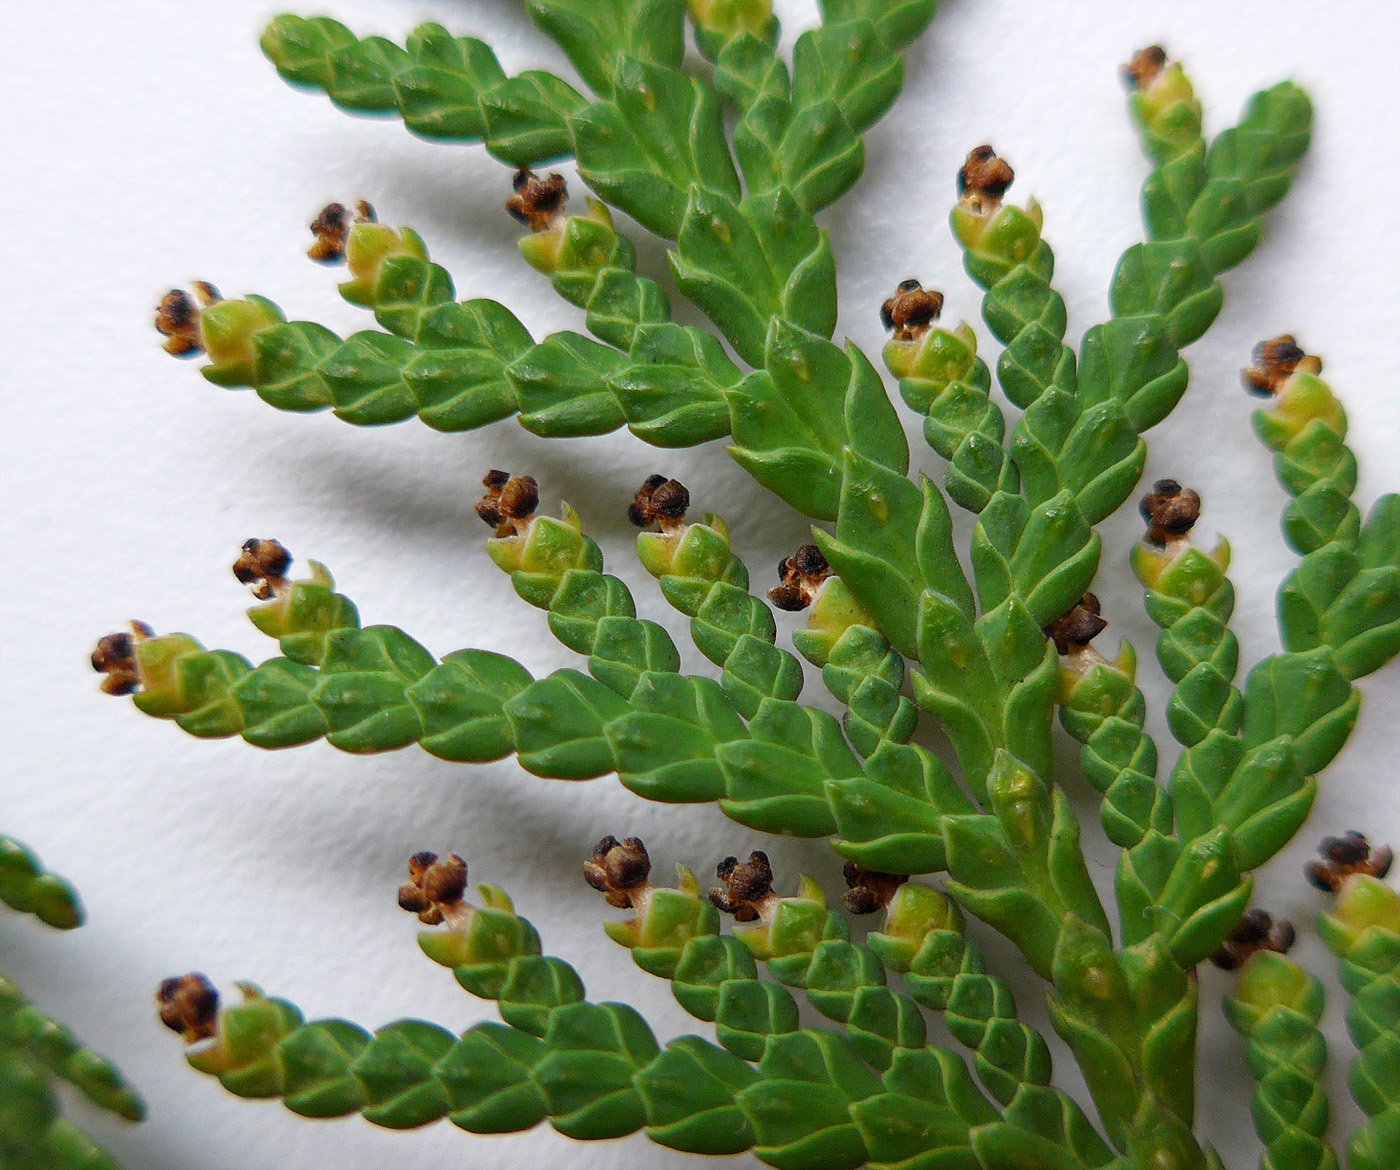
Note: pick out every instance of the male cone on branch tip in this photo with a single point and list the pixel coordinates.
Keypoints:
(509, 501)
(802, 575)
(660, 501)
(869, 891)
(1256, 931)
(1347, 855)
(618, 869)
(911, 311)
(189, 1005)
(1170, 510)
(434, 886)
(331, 227)
(537, 202)
(1275, 361)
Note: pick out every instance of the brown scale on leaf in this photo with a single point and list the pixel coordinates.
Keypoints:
(1347, 855)
(509, 502)
(869, 890)
(115, 657)
(188, 1004)
(537, 202)
(1144, 67)
(660, 501)
(1256, 931)
(618, 870)
(1275, 361)
(983, 179)
(1076, 629)
(911, 310)
(802, 575)
(177, 318)
(434, 887)
(263, 564)
(747, 889)
(331, 227)
(1171, 511)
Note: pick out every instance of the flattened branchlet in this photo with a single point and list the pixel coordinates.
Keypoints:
(730, 164)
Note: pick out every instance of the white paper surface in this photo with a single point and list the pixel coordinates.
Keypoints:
(148, 143)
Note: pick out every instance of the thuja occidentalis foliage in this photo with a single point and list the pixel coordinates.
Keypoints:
(37, 1051)
(901, 634)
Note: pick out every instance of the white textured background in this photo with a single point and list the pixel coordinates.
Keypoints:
(147, 143)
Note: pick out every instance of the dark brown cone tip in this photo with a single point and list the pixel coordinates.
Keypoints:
(869, 889)
(616, 868)
(188, 1004)
(1275, 361)
(744, 885)
(1079, 627)
(1144, 67)
(984, 178)
(911, 310)
(509, 501)
(115, 657)
(263, 564)
(1169, 510)
(177, 318)
(1344, 856)
(1256, 931)
(802, 575)
(433, 883)
(659, 501)
(536, 202)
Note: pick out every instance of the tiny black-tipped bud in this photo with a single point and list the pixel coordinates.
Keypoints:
(617, 868)
(745, 885)
(1275, 361)
(984, 177)
(869, 889)
(1080, 626)
(536, 202)
(188, 1004)
(1347, 855)
(1144, 66)
(1256, 931)
(263, 564)
(911, 310)
(177, 320)
(1169, 510)
(659, 501)
(115, 657)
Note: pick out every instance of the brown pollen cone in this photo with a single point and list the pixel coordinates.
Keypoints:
(1144, 67)
(1170, 511)
(1275, 361)
(984, 178)
(177, 318)
(115, 657)
(1256, 931)
(263, 564)
(509, 501)
(1079, 627)
(1347, 855)
(801, 576)
(188, 1004)
(536, 202)
(911, 310)
(331, 227)
(869, 890)
(433, 884)
(660, 501)
(745, 885)
(617, 869)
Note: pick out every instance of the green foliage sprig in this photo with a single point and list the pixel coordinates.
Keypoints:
(37, 1051)
(991, 654)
